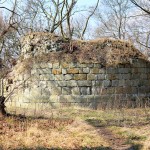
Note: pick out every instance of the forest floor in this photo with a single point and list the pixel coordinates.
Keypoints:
(77, 128)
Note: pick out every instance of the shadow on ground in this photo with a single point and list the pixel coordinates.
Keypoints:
(134, 147)
(112, 139)
(83, 148)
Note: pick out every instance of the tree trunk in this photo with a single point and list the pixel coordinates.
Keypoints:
(2, 106)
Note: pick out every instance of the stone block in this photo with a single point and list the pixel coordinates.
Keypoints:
(80, 77)
(90, 65)
(96, 90)
(102, 70)
(44, 77)
(128, 83)
(42, 84)
(39, 71)
(73, 71)
(103, 91)
(71, 83)
(47, 77)
(126, 76)
(119, 90)
(64, 71)
(134, 90)
(51, 77)
(142, 70)
(121, 83)
(56, 65)
(134, 70)
(84, 83)
(75, 91)
(102, 76)
(124, 70)
(86, 70)
(56, 71)
(143, 76)
(148, 76)
(68, 77)
(33, 71)
(112, 70)
(55, 90)
(46, 92)
(46, 71)
(111, 90)
(64, 65)
(66, 91)
(50, 65)
(135, 82)
(82, 65)
(115, 83)
(54, 98)
(97, 65)
(135, 76)
(61, 83)
(112, 76)
(59, 77)
(72, 64)
(91, 77)
(85, 91)
(107, 83)
(127, 90)
(95, 70)
(36, 65)
(97, 83)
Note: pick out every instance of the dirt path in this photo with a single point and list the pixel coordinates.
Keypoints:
(116, 143)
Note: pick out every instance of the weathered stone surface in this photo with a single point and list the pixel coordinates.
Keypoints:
(56, 65)
(73, 71)
(72, 83)
(101, 76)
(84, 83)
(50, 65)
(64, 65)
(106, 83)
(66, 91)
(115, 83)
(95, 70)
(75, 91)
(59, 83)
(56, 71)
(55, 90)
(86, 70)
(68, 77)
(85, 91)
(91, 77)
(59, 77)
(80, 77)
(64, 71)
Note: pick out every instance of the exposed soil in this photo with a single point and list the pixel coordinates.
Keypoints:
(116, 143)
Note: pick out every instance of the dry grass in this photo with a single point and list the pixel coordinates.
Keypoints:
(48, 133)
(136, 135)
(75, 128)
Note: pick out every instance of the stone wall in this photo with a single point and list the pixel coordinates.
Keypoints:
(91, 85)
(53, 72)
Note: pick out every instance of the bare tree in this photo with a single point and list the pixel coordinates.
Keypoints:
(7, 27)
(112, 19)
(144, 5)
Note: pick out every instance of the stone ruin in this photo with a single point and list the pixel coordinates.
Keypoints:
(53, 72)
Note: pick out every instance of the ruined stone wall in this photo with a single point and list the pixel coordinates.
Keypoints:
(80, 84)
(53, 72)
